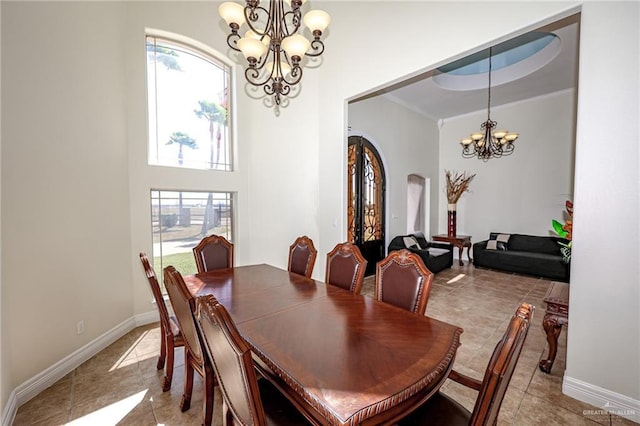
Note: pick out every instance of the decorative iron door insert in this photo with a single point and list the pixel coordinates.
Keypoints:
(366, 188)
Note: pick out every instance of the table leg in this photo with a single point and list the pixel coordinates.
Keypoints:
(469, 254)
(460, 247)
(552, 327)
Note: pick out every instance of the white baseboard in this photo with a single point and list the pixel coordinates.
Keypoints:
(608, 402)
(32, 387)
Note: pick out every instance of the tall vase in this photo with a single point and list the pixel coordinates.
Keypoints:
(451, 220)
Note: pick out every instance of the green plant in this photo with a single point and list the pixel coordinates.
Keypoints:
(565, 231)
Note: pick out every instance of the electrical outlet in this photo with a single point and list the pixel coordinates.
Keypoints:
(80, 327)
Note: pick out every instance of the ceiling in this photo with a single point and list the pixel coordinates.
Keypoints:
(421, 94)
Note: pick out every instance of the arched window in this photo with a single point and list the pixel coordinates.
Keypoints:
(188, 94)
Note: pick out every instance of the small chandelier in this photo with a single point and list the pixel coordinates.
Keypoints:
(488, 143)
(272, 46)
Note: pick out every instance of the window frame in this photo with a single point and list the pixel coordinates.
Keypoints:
(214, 55)
(231, 196)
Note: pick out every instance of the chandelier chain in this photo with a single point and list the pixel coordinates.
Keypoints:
(489, 97)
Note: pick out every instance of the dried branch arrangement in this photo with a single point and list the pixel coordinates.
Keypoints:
(457, 184)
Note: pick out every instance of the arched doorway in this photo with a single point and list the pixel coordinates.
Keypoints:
(416, 211)
(366, 192)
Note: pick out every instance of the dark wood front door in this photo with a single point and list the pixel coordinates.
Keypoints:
(366, 188)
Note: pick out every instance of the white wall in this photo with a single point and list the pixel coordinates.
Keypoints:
(520, 193)
(408, 143)
(65, 180)
(284, 176)
(603, 347)
(79, 142)
(5, 381)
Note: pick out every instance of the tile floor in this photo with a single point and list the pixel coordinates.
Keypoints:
(121, 385)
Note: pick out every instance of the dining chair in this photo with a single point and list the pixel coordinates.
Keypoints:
(302, 256)
(246, 400)
(171, 337)
(443, 410)
(346, 267)
(213, 252)
(403, 280)
(194, 358)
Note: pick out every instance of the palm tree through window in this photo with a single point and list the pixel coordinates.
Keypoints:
(188, 104)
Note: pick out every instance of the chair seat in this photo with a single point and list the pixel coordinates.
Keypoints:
(438, 410)
(277, 408)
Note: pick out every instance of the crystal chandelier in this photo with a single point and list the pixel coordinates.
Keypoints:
(488, 143)
(272, 45)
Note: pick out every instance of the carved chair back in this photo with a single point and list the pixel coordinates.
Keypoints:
(442, 409)
(403, 280)
(157, 293)
(195, 359)
(171, 337)
(501, 366)
(232, 363)
(346, 267)
(213, 252)
(302, 256)
(183, 305)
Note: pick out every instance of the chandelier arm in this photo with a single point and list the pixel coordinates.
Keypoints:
(295, 21)
(508, 148)
(232, 39)
(253, 72)
(286, 89)
(252, 15)
(296, 74)
(296, 70)
(318, 46)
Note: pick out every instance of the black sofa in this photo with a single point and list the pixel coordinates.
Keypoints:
(523, 254)
(435, 255)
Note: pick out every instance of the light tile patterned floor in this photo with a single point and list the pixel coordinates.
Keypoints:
(121, 385)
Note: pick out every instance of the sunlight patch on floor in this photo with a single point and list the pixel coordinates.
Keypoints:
(111, 414)
(456, 278)
(126, 358)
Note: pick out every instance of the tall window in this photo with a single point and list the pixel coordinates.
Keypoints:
(188, 95)
(181, 219)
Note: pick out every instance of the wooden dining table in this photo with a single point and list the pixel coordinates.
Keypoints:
(342, 359)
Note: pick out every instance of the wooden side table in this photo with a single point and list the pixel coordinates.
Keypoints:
(556, 315)
(460, 241)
